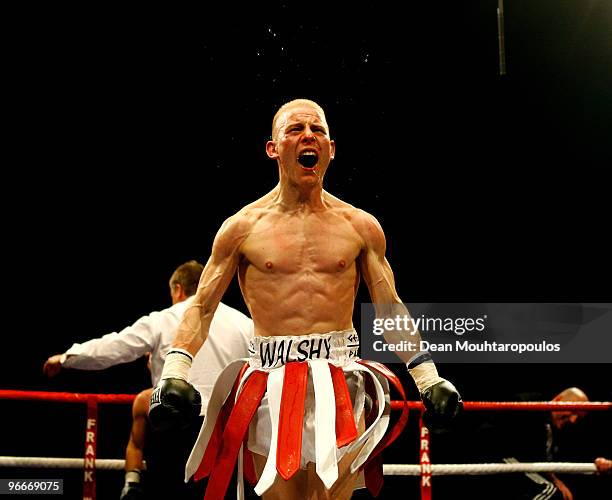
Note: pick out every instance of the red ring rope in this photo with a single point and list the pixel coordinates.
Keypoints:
(66, 397)
(69, 397)
(513, 405)
(93, 399)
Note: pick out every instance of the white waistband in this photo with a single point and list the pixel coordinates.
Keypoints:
(339, 348)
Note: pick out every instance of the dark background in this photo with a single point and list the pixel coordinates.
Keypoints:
(137, 132)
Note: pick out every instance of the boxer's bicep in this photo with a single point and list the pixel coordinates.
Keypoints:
(215, 278)
(375, 268)
(219, 270)
(378, 276)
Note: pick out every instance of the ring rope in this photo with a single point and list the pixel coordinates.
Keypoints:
(425, 470)
(514, 405)
(388, 469)
(491, 468)
(69, 397)
(60, 463)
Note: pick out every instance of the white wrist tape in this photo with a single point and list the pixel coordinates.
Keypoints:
(177, 365)
(132, 476)
(422, 369)
(425, 375)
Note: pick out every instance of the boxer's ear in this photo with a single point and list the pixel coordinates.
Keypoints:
(271, 150)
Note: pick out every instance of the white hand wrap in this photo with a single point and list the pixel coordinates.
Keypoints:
(132, 476)
(425, 375)
(423, 371)
(177, 364)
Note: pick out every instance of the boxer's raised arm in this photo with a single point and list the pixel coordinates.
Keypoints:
(441, 399)
(175, 403)
(216, 277)
(379, 279)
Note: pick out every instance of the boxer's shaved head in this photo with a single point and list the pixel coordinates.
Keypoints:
(561, 419)
(282, 111)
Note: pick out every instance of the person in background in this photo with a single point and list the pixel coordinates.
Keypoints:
(231, 332)
(566, 441)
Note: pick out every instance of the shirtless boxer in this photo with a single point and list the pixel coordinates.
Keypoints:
(134, 453)
(299, 253)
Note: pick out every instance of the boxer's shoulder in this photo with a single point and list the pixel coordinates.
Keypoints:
(368, 228)
(251, 214)
(141, 402)
(236, 228)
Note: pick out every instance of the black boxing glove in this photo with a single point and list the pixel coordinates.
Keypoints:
(441, 399)
(442, 404)
(175, 403)
(132, 489)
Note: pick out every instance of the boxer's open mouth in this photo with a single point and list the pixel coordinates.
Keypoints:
(308, 159)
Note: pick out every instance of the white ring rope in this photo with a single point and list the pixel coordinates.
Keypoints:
(388, 469)
(60, 463)
(480, 469)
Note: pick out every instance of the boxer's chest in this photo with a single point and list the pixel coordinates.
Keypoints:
(294, 244)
